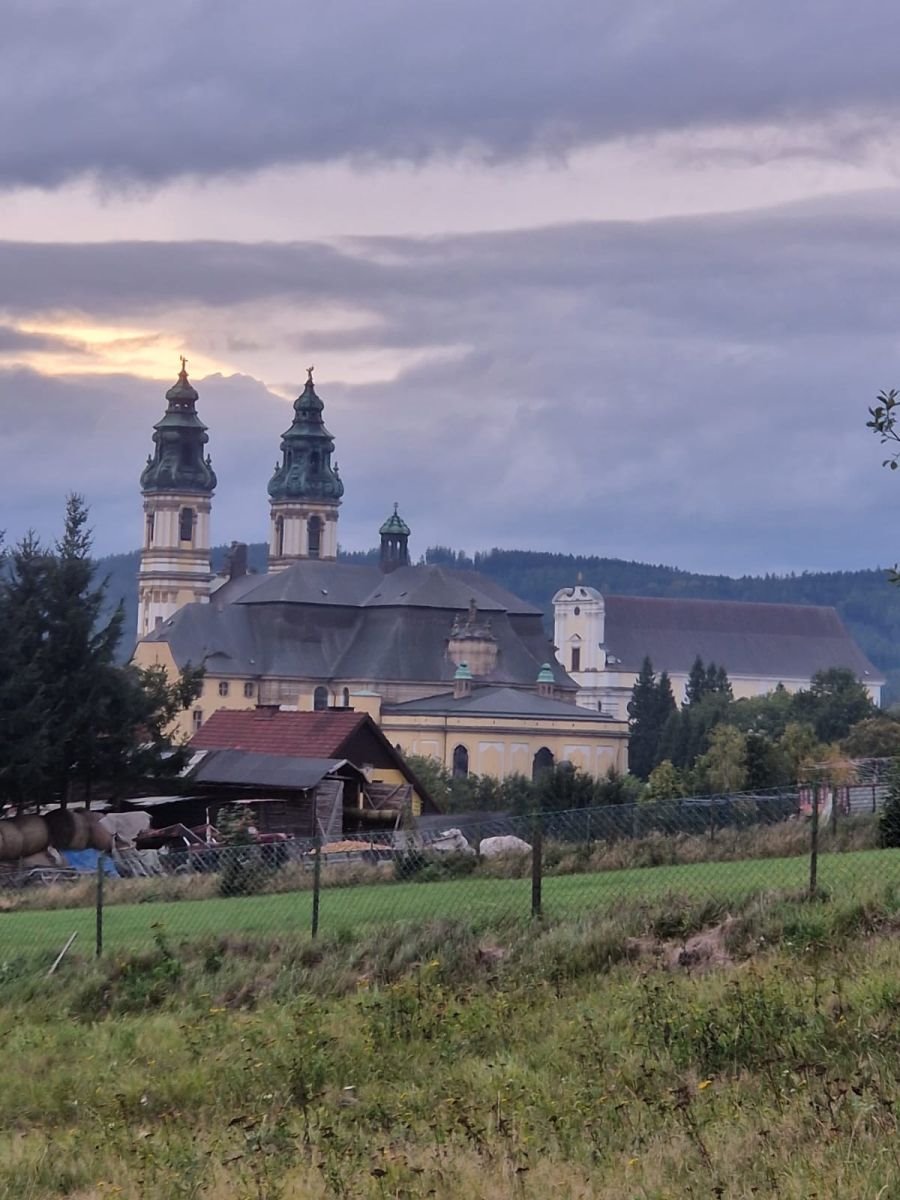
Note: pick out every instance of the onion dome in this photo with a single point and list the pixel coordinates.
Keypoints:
(306, 471)
(178, 462)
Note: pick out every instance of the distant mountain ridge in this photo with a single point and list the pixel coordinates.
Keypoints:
(867, 602)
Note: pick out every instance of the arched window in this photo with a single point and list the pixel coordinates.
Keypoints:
(543, 761)
(279, 536)
(150, 524)
(249, 690)
(320, 699)
(314, 532)
(186, 525)
(460, 762)
(346, 697)
(314, 461)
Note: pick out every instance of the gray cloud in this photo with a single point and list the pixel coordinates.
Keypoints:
(15, 341)
(149, 93)
(687, 391)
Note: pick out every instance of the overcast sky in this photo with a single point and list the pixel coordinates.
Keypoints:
(588, 276)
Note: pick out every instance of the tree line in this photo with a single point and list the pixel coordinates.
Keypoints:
(73, 720)
(712, 743)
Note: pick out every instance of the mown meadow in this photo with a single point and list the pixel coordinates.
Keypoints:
(610, 1054)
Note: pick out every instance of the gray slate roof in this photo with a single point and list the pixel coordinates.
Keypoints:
(335, 621)
(495, 702)
(778, 641)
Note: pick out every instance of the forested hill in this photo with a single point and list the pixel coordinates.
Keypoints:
(869, 605)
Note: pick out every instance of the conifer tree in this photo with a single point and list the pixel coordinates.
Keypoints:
(697, 684)
(643, 715)
(69, 715)
(665, 702)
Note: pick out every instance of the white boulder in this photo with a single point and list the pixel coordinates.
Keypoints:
(494, 847)
(451, 841)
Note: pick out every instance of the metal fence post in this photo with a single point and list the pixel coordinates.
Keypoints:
(814, 844)
(317, 883)
(99, 948)
(537, 862)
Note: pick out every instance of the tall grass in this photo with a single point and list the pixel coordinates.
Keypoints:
(439, 1060)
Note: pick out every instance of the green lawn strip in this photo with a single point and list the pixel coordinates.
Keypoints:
(132, 926)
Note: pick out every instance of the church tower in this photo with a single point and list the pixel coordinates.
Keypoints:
(579, 625)
(305, 490)
(177, 485)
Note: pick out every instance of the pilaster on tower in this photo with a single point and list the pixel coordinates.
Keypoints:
(305, 490)
(177, 485)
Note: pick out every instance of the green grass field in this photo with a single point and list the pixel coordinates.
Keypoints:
(478, 901)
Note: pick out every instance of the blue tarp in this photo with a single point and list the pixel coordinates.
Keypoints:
(86, 860)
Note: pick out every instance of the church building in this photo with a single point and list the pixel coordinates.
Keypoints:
(448, 663)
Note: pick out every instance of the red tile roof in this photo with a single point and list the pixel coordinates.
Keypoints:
(273, 731)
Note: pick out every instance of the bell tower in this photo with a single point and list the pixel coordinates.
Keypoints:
(177, 485)
(305, 490)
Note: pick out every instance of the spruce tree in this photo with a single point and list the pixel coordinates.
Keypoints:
(643, 715)
(665, 701)
(24, 730)
(69, 715)
(78, 657)
(697, 684)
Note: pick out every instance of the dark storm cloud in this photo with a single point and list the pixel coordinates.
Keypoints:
(151, 92)
(689, 391)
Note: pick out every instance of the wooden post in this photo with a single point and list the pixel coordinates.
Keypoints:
(99, 949)
(834, 808)
(537, 862)
(814, 844)
(317, 883)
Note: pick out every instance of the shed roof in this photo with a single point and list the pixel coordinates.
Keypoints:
(245, 768)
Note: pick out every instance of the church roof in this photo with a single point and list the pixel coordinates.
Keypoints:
(774, 641)
(346, 621)
(495, 702)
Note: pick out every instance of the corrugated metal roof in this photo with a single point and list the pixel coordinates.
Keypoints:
(242, 768)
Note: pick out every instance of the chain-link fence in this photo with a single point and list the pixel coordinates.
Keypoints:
(484, 869)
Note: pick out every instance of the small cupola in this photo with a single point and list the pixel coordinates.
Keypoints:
(394, 542)
(462, 682)
(546, 683)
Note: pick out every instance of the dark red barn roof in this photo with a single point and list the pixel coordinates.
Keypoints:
(331, 734)
(274, 731)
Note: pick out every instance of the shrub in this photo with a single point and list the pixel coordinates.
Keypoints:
(889, 820)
